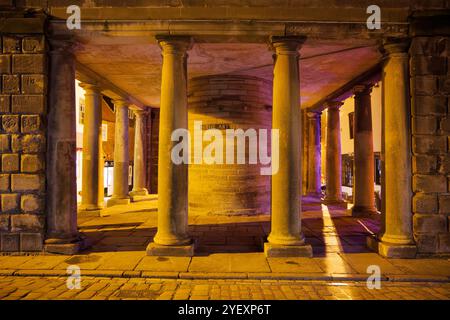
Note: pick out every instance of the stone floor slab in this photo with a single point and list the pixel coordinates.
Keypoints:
(126, 260)
(170, 264)
(237, 262)
(294, 264)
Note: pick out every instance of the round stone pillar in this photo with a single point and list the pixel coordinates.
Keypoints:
(92, 192)
(62, 234)
(314, 155)
(333, 193)
(139, 169)
(285, 238)
(397, 239)
(172, 236)
(364, 193)
(121, 155)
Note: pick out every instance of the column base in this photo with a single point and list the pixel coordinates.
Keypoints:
(89, 207)
(154, 249)
(278, 251)
(390, 250)
(141, 197)
(116, 201)
(62, 246)
(97, 212)
(361, 211)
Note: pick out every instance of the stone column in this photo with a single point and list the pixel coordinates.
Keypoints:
(172, 237)
(363, 189)
(62, 234)
(314, 155)
(92, 192)
(333, 193)
(286, 238)
(397, 239)
(121, 155)
(139, 191)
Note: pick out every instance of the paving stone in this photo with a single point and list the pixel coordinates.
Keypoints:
(238, 262)
(169, 264)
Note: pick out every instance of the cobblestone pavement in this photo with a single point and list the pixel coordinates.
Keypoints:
(13, 288)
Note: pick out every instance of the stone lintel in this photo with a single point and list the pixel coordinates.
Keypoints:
(154, 249)
(276, 250)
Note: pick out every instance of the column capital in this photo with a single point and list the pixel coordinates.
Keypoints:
(333, 105)
(363, 89)
(90, 87)
(62, 45)
(392, 46)
(139, 112)
(119, 102)
(174, 44)
(313, 115)
(287, 45)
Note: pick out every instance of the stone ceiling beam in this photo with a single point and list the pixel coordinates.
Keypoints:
(84, 74)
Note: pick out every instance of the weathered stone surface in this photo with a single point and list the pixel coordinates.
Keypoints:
(444, 204)
(35, 44)
(33, 84)
(10, 123)
(424, 125)
(26, 222)
(425, 203)
(31, 163)
(425, 65)
(11, 83)
(445, 125)
(430, 144)
(28, 63)
(4, 143)
(30, 123)
(429, 183)
(27, 104)
(27, 182)
(12, 44)
(444, 85)
(444, 242)
(425, 85)
(424, 163)
(30, 203)
(429, 46)
(10, 242)
(430, 105)
(429, 223)
(4, 182)
(5, 104)
(4, 222)
(31, 242)
(427, 243)
(444, 164)
(10, 202)
(5, 64)
(28, 143)
(10, 162)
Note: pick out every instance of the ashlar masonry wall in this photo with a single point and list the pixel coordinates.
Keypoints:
(23, 78)
(430, 91)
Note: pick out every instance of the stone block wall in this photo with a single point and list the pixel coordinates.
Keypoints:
(430, 91)
(23, 83)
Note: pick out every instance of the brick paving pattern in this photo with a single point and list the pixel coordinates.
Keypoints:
(95, 288)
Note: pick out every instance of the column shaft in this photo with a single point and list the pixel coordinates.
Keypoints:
(139, 169)
(333, 170)
(121, 155)
(314, 155)
(62, 234)
(364, 194)
(286, 222)
(172, 178)
(397, 175)
(92, 192)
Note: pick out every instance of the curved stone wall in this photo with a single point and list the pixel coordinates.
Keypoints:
(221, 103)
